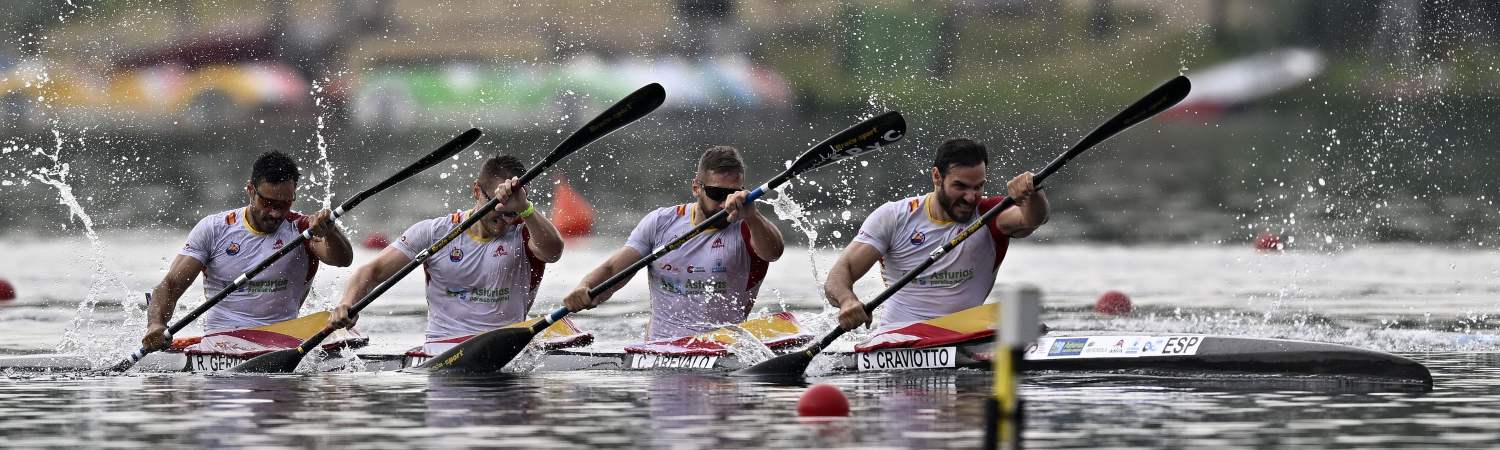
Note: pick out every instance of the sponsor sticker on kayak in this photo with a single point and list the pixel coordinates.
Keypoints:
(650, 361)
(1113, 347)
(908, 358)
(212, 363)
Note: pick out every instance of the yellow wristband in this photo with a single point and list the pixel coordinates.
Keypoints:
(530, 209)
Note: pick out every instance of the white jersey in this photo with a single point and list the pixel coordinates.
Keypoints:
(905, 232)
(228, 245)
(473, 285)
(708, 282)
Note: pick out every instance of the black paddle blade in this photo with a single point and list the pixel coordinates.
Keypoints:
(629, 109)
(863, 137)
(790, 364)
(488, 352)
(280, 361)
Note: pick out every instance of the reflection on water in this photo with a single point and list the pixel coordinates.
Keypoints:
(682, 410)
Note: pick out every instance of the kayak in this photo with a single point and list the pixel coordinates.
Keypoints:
(956, 342)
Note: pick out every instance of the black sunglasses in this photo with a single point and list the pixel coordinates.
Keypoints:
(271, 203)
(717, 193)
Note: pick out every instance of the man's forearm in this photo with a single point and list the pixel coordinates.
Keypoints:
(765, 237)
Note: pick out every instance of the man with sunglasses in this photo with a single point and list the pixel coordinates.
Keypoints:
(713, 279)
(484, 279)
(225, 245)
(901, 234)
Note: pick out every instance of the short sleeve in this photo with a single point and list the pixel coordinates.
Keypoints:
(877, 229)
(200, 241)
(643, 237)
(415, 239)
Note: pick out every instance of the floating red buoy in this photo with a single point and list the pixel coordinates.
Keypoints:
(7, 292)
(1268, 241)
(823, 400)
(1113, 303)
(571, 214)
(376, 241)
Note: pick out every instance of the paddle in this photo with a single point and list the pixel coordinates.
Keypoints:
(633, 107)
(494, 349)
(1158, 100)
(449, 149)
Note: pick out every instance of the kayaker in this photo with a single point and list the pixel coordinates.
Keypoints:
(901, 234)
(227, 244)
(713, 279)
(482, 280)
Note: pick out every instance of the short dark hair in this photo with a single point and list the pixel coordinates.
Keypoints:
(959, 152)
(721, 159)
(274, 167)
(501, 167)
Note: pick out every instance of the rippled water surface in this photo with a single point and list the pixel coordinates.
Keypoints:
(1433, 305)
(677, 410)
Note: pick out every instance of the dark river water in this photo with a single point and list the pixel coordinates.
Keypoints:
(679, 410)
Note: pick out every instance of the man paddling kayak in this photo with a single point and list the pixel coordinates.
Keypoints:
(710, 281)
(224, 245)
(901, 235)
(483, 280)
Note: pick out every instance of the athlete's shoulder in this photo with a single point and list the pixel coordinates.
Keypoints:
(222, 218)
(905, 206)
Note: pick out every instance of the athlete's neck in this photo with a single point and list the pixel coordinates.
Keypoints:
(487, 228)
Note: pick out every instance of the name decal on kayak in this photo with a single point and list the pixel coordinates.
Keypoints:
(908, 359)
(212, 363)
(649, 361)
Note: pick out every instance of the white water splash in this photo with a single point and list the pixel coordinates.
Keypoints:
(322, 146)
(789, 210)
(86, 335)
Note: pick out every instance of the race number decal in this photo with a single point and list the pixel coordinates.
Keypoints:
(650, 361)
(908, 359)
(212, 363)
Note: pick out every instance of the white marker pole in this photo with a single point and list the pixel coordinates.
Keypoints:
(1018, 326)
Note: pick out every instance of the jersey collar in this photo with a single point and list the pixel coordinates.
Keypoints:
(934, 216)
(249, 224)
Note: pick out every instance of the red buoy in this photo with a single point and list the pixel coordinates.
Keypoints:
(376, 241)
(1268, 241)
(571, 214)
(1113, 303)
(7, 292)
(823, 400)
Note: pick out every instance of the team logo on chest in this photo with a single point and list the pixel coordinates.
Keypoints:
(234, 249)
(917, 238)
(718, 243)
(277, 245)
(456, 255)
(499, 250)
